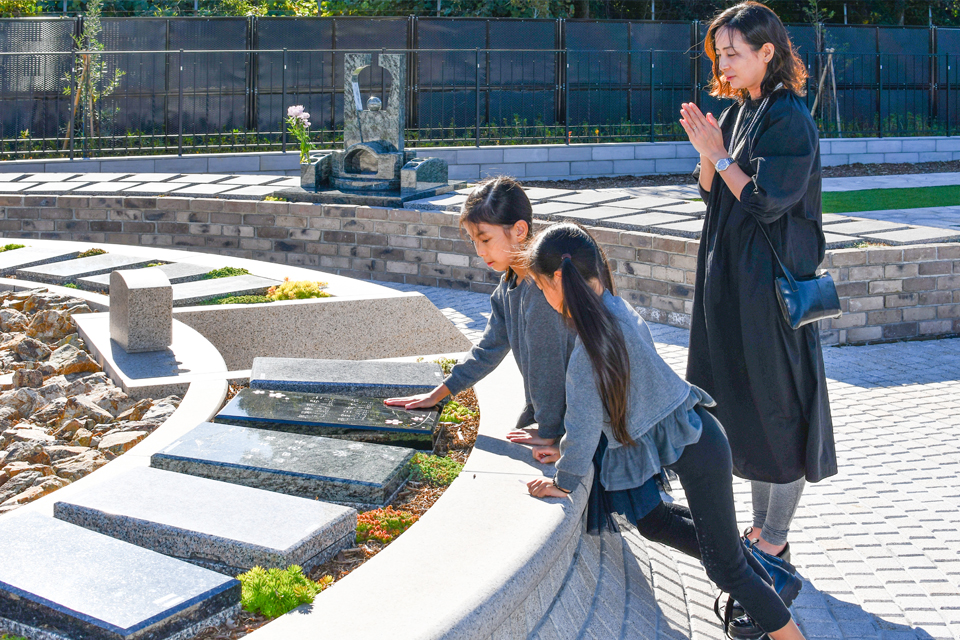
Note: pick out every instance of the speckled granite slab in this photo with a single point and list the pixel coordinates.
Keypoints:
(333, 416)
(353, 473)
(70, 270)
(29, 256)
(225, 527)
(188, 293)
(345, 377)
(176, 273)
(61, 580)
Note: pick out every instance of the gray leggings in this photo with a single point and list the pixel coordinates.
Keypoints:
(773, 508)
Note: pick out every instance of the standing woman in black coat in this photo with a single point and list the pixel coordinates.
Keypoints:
(760, 167)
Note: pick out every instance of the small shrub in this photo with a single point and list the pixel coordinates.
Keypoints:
(91, 252)
(383, 525)
(70, 285)
(237, 300)
(274, 199)
(273, 592)
(456, 413)
(19, 9)
(446, 364)
(11, 247)
(225, 272)
(436, 470)
(298, 290)
(156, 264)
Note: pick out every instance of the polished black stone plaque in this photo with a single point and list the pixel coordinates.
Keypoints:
(358, 419)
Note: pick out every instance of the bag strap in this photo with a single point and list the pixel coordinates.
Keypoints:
(786, 272)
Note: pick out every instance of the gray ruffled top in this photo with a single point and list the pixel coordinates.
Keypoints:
(660, 416)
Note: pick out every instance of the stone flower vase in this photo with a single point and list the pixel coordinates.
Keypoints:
(315, 172)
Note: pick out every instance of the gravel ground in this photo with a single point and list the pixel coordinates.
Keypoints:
(841, 171)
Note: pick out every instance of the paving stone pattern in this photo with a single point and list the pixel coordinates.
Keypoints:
(229, 186)
(878, 545)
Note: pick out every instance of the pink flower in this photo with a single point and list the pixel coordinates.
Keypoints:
(295, 111)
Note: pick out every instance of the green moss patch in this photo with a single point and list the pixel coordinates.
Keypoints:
(274, 592)
(91, 252)
(436, 470)
(10, 247)
(225, 272)
(237, 300)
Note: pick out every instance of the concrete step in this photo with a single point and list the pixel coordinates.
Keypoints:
(176, 273)
(216, 525)
(340, 471)
(58, 580)
(191, 293)
(69, 270)
(29, 256)
(345, 377)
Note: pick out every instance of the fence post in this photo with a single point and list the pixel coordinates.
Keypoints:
(879, 96)
(566, 94)
(477, 83)
(180, 104)
(949, 113)
(653, 136)
(283, 83)
(73, 113)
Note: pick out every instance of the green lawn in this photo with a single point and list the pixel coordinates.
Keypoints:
(880, 199)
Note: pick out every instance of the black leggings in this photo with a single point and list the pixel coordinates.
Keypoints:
(708, 529)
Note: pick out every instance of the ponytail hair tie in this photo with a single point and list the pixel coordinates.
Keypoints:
(567, 256)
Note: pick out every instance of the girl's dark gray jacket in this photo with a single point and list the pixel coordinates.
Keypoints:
(521, 319)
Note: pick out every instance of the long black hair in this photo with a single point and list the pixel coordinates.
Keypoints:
(572, 250)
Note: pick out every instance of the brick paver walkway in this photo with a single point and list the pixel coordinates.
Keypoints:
(878, 544)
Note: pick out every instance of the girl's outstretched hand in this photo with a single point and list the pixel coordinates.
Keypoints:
(543, 488)
(546, 455)
(529, 436)
(421, 401)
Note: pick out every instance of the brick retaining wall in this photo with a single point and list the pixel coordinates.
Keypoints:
(887, 293)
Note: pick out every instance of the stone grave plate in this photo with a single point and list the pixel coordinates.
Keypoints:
(70, 270)
(252, 191)
(58, 578)
(914, 235)
(685, 228)
(54, 187)
(100, 177)
(103, 187)
(176, 273)
(346, 377)
(646, 221)
(50, 177)
(188, 293)
(685, 208)
(646, 202)
(833, 218)
(553, 207)
(12, 187)
(862, 226)
(836, 240)
(202, 189)
(354, 473)
(15, 259)
(252, 180)
(225, 527)
(150, 177)
(594, 196)
(333, 416)
(151, 187)
(592, 214)
(445, 202)
(544, 193)
(201, 178)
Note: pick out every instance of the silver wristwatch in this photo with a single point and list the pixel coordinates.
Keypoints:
(723, 164)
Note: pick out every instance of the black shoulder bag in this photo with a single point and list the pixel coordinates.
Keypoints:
(805, 300)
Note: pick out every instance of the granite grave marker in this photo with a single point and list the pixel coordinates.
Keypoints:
(354, 473)
(61, 580)
(346, 377)
(332, 416)
(141, 310)
(225, 527)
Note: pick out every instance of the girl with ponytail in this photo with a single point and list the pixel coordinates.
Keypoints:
(629, 414)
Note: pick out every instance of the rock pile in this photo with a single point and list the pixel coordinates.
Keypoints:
(60, 416)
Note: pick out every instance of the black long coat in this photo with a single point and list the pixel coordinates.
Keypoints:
(768, 379)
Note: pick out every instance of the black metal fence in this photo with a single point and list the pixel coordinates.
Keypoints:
(186, 93)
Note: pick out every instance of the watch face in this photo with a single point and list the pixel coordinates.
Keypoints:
(723, 164)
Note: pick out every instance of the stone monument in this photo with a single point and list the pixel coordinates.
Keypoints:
(141, 310)
(373, 168)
